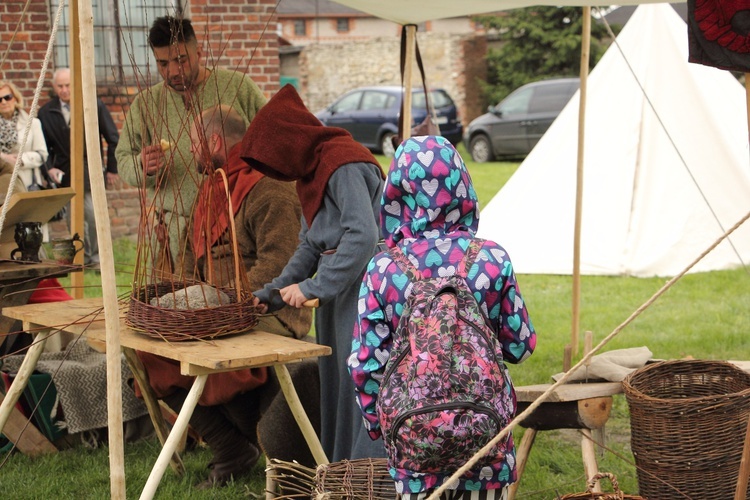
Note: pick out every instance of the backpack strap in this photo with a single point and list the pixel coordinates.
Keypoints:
(475, 245)
(404, 264)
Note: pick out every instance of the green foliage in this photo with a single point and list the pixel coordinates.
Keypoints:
(536, 43)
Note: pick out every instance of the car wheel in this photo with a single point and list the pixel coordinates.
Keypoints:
(386, 144)
(481, 149)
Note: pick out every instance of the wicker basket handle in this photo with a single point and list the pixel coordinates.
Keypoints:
(612, 479)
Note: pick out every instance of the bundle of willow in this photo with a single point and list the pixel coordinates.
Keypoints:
(365, 478)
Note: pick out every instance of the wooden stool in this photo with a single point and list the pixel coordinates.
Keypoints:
(583, 406)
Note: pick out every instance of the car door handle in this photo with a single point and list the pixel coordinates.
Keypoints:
(527, 123)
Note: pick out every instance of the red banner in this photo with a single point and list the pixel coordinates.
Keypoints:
(719, 33)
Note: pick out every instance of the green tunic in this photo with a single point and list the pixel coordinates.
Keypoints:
(161, 113)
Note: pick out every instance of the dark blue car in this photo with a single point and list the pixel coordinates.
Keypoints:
(371, 115)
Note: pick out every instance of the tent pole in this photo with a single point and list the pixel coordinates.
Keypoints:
(747, 100)
(76, 146)
(411, 33)
(584, 72)
(109, 291)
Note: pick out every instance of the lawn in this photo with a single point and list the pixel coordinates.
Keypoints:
(703, 315)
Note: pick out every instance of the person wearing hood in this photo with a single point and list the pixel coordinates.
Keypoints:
(429, 211)
(339, 184)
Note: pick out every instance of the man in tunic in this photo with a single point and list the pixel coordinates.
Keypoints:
(154, 149)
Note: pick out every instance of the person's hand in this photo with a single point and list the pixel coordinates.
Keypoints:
(56, 175)
(152, 159)
(9, 158)
(262, 308)
(293, 296)
(112, 180)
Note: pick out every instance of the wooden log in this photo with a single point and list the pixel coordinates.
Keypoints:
(590, 413)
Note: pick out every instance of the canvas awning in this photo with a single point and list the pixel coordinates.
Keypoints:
(415, 12)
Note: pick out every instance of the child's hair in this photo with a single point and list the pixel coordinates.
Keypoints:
(168, 30)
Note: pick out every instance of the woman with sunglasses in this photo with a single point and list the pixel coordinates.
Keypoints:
(13, 123)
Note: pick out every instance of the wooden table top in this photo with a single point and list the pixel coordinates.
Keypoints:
(231, 352)
(11, 272)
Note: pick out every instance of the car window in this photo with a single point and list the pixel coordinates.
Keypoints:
(440, 99)
(376, 100)
(517, 103)
(347, 103)
(550, 98)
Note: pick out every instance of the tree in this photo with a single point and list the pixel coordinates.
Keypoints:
(536, 43)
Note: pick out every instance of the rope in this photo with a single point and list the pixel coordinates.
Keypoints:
(32, 114)
(533, 406)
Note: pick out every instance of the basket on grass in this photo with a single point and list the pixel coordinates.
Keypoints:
(688, 421)
(348, 479)
(590, 494)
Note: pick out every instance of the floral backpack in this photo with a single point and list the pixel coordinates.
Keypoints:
(444, 390)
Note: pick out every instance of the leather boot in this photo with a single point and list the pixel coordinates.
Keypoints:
(233, 454)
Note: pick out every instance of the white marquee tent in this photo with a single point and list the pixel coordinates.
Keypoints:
(660, 185)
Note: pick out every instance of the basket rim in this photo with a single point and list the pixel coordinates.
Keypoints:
(630, 389)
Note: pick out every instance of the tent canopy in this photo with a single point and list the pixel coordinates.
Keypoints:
(659, 185)
(415, 12)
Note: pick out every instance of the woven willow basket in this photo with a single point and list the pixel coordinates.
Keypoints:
(590, 494)
(365, 478)
(688, 421)
(192, 324)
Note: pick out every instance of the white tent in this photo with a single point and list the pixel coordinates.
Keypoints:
(660, 185)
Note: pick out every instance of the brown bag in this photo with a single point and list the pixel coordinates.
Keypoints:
(428, 126)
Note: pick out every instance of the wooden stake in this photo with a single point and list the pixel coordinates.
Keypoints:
(585, 50)
(109, 290)
(76, 144)
(411, 34)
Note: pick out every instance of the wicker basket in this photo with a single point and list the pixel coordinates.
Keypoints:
(688, 421)
(365, 478)
(191, 324)
(590, 494)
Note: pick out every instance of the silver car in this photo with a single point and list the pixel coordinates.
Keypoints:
(513, 127)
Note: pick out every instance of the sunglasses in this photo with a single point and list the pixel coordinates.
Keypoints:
(8, 97)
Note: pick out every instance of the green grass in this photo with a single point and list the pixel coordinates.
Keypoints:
(703, 315)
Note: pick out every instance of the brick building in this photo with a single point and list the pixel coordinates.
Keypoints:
(236, 34)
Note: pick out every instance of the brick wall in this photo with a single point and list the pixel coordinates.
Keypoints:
(237, 34)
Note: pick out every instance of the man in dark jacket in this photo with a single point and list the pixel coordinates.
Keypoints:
(55, 118)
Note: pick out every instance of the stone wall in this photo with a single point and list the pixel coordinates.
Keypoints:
(452, 62)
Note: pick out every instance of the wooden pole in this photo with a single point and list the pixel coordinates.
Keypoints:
(308, 432)
(76, 144)
(109, 291)
(411, 34)
(178, 429)
(747, 100)
(585, 51)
